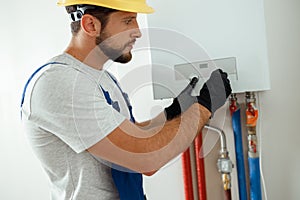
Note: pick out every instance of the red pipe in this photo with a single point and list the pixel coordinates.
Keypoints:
(200, 168)
(228, 194)
(187, 175)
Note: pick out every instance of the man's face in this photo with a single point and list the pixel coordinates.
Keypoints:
(119, 35)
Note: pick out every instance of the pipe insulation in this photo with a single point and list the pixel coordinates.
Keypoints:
(254, 173)
(238, 141)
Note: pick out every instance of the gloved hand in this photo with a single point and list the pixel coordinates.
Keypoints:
(213, 95)
(182, 102)
(215, 91)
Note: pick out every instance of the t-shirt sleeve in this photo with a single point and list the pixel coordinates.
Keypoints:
(72, 106)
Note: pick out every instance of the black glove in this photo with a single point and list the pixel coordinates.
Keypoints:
(182, 102)
(215, 91)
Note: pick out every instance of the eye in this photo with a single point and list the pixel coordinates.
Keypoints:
(128, 21)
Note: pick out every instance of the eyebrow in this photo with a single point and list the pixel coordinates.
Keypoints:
(129, 17)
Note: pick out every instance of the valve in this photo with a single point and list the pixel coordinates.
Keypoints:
(251, 110)
(225, 166)
(233, 106)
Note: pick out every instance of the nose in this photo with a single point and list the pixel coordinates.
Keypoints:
(136, 32)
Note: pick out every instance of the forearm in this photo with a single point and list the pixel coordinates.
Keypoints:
(181, 130)
(155, 146)
(159, 120)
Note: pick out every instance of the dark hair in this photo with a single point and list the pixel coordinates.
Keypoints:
(101, 13)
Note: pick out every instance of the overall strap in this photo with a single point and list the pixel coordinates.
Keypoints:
(30, 78)
(129, 184)
(125, 95)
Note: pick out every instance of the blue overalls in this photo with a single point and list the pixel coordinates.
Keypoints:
(129, 184)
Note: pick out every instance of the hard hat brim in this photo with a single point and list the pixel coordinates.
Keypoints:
(133, 6)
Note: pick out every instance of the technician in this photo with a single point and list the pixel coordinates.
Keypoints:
(79, 121)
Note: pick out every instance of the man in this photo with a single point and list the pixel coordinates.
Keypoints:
(79, 121)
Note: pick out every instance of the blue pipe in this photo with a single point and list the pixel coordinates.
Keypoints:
(237, 130)
(254, 172)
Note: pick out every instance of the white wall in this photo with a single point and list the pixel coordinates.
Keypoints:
(280, 106)
(29, 37)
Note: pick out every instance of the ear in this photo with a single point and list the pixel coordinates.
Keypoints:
(90, 25)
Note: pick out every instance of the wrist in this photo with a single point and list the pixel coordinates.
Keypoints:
(205, 112)
(173, 110)
(204, 100)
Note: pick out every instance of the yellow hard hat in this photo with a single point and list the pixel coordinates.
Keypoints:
(137, 6)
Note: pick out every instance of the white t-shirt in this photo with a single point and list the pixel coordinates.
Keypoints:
(65, 112)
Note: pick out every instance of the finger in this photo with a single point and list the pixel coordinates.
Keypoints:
(194, 82)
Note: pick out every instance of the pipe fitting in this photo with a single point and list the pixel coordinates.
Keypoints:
(226, 179)
(221, 133)
(251, 112)
(233, 105)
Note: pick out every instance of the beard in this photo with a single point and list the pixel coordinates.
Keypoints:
(103, 41)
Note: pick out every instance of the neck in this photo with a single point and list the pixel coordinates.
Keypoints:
(90, 55)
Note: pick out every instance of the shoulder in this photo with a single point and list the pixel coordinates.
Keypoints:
(62, 82)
